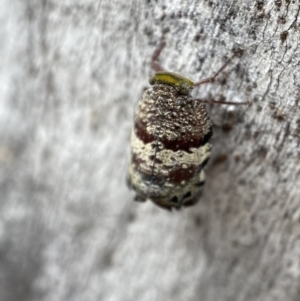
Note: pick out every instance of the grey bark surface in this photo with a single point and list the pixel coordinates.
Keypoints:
(71, 74)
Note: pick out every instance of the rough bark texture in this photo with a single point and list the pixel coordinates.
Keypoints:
(71, 73)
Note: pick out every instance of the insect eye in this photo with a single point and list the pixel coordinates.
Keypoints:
(151, 80)
(184, 88)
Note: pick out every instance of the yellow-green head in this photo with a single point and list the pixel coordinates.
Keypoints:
(182, 84)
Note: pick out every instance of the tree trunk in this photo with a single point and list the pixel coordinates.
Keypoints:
(71, 74)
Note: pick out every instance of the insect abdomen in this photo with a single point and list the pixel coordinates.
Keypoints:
(170, 147)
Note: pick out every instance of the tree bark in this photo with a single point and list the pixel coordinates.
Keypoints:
(71, 74)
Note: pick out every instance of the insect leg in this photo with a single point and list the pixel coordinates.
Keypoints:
(248, 102)
(213, 77)
(155, 65)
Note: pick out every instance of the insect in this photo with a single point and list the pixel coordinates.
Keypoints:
(170, 139)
